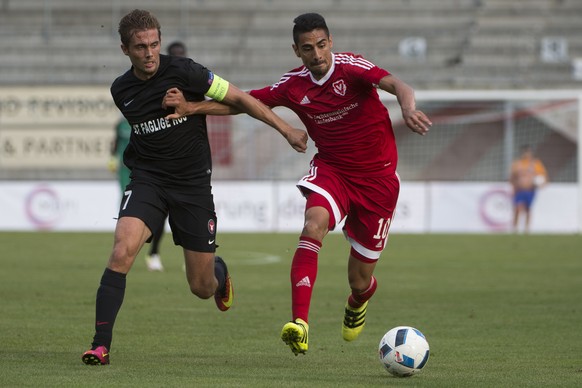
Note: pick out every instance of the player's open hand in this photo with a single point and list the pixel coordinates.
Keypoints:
(297, 138)
(417, 121)
(174, 99)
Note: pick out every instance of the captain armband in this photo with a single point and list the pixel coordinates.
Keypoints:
(218, 88)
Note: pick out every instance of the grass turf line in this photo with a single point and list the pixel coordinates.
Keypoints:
(497, 310)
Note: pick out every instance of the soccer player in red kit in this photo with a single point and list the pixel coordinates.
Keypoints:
(352, 176)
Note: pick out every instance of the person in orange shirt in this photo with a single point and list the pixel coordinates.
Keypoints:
(527, 175)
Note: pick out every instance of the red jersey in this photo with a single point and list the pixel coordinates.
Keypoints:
(342, 113)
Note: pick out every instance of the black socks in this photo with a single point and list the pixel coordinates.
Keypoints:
(109, 299)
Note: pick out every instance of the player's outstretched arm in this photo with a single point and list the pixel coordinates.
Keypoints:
(235, 97)
(175, 99)
(415, 119)
(236, 101)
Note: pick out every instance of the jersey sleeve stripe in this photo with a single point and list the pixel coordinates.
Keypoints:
(285, 77)
(351, 60)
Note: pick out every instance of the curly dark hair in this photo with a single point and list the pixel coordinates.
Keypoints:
(137, 20)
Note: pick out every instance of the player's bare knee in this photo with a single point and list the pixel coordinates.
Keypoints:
(315, 229)
(121, 258)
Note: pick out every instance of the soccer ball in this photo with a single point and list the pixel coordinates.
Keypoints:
(403, 351)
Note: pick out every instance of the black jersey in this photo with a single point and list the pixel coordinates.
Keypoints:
(175, 152)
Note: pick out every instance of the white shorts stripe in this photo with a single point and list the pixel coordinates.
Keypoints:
(368, 253)
(316, 189)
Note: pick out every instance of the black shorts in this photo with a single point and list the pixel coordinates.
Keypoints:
(192, 216)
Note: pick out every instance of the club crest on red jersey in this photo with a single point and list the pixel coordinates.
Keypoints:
(339, 87)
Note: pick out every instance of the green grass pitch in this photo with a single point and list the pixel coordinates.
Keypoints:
(497, 310)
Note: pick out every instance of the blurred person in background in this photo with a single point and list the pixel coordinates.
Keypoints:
(177, 49)
(528, 174)
(122, 132)
(171, 169)
(353, 175)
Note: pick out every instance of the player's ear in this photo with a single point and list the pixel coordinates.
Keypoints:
(296, 49)
(330, 41)
(124, 49)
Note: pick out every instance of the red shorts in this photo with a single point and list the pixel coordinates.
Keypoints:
(367, 204)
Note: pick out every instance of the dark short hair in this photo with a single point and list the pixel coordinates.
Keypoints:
(177, 45)
(308, 22)
(137, 20)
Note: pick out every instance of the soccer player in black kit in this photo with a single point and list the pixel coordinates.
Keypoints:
(171, 167)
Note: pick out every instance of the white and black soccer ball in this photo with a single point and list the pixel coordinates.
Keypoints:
(403, 351)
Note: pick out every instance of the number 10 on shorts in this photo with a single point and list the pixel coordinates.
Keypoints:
(383, 225)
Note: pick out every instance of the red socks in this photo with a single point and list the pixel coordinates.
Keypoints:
(303, 274)
(357, 300)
